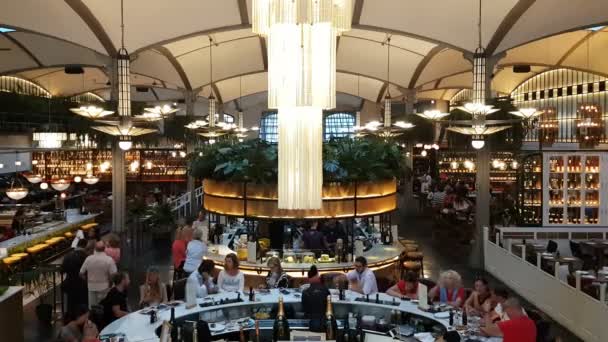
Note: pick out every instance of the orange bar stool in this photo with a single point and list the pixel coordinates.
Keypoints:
(37, 251)
(68, 235)
(88, 226)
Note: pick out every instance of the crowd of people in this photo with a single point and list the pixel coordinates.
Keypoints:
(94, 281)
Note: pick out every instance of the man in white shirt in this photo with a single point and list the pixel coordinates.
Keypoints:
(98, 269)
(195, 251)
(202, 224)
(362, 279)
(201, 280)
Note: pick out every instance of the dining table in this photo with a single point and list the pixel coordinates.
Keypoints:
(599, 248)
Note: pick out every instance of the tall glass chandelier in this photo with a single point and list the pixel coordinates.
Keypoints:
(302, 41)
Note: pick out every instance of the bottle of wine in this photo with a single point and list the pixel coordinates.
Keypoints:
(174, 333)
(251, 294)
(257, 332)
(465, 319)
(280, 330)
(359, 335)
(331, 326)
(346, 330)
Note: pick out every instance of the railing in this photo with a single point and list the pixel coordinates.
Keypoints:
(582, 314)
(182, 205)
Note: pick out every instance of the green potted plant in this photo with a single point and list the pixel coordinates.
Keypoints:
(162, 221)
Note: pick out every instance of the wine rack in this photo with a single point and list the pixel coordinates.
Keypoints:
(575, 189)
(462, 166)
(142, 165)
(530, 195)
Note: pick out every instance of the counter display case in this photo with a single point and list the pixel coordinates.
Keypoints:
(575, 189)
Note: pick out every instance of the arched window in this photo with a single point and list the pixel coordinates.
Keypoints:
(269, 127)
(339, 125)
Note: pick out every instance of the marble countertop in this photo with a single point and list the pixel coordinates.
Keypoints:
(11, 291)
(137, 328)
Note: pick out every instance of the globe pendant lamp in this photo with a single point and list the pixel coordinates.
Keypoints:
(16, 191)
(90, 179)
(60, 184)
(301, 36)
(33, 178)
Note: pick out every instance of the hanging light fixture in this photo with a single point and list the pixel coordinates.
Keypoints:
(387, 129)
(302, 41)
(90, 111)
(33, 178)
(16, 191)
(123, 126)
(44, 185)
(478, 133)
(60, 184)
(90, 179)
(160, 111)
(77, 179)
(433, 115)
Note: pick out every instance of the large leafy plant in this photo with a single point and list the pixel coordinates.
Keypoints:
(344, 160)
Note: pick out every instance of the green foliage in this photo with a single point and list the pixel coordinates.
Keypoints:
(344, 160)
(161, 217)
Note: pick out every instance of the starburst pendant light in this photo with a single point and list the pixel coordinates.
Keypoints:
(302, 36)
(123, 126)
(90, 111)
(433, 115)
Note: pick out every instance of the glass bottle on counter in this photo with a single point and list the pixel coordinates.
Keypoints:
(346, 330)
(331, 326)
(257, 332)
(280, 330)
(359, 336)
(174, 333)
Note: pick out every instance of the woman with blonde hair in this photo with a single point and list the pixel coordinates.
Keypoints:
(153, 292)
(449, 289)
(183, 235)
(276, 277)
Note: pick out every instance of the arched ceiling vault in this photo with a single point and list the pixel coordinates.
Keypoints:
(168, 42)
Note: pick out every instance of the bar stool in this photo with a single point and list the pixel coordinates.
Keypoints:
(407, 242)
(68, 235)
(413, 266)
(37, 251)
(410, 248)
(416, 256)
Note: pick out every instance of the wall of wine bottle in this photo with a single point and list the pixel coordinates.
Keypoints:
(530, 194)
(575, 188)
(146, 165)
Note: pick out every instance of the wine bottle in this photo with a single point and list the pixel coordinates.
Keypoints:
(242, 335)
(257, 331)
(464, 317)
(174, 333)
(451, 318)
(331, 326)
(359, 335)
(251, 295)
(280, 330)
(346, 331)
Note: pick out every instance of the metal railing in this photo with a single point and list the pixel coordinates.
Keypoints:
(182, 205)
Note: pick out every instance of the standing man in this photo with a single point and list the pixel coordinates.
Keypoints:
(74, 287)
(362, 279)
(202, 224)
(97, 269)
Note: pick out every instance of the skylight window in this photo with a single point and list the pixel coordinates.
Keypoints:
(6, 29)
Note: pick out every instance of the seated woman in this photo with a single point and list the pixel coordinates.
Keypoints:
(477, 303)
(449, 289)
(79, 328)
(153, 292)
(276, 278)
(406, 287)
(231, 279)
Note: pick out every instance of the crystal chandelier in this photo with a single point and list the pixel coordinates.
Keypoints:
(302, 37)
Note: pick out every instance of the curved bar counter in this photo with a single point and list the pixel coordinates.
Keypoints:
(137, 327)
(380, 259)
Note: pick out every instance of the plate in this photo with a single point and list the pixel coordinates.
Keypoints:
(442, 315)
(215, 327)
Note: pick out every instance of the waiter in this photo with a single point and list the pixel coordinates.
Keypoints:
(314, 300)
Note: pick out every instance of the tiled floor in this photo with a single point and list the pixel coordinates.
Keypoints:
(439, 254)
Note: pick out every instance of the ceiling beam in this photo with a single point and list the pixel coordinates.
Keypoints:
(175, 63)
(357, 12)
(243, 11)
(94, 25)
(507, 24)
(423, 63)
(24, 49)
(154, 93)
(264, 52)
(216, 91)
(381, 92)
(575, 46)
(408, 34)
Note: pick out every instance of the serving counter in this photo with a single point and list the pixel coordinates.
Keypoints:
(137, 327)
(46, 231)
(382, 259)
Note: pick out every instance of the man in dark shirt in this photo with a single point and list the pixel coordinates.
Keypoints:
(74, 286)
(313, 239)
(314, 300)
(115, 303)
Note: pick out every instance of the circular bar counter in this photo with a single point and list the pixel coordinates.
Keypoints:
(382, 259)
(137, 327)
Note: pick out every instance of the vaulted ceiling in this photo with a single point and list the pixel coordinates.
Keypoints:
(169, 44)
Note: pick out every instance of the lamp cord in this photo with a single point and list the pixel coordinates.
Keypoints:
(122, 24)
(479, 24)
